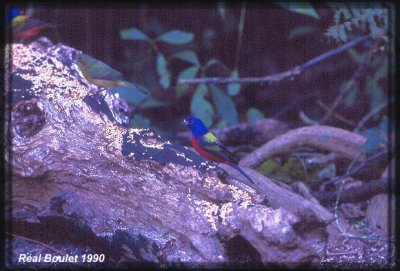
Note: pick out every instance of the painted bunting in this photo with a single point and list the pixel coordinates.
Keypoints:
(207, 145)
(23, 26)
(99, 73)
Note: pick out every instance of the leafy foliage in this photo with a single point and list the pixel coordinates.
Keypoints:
(222, 104)
(133, 94)
(347, 19)
(133, 34)
(234, 89)
(254, 114)
(176, 37)
(376, 137)
(163, 72)
(304, 8)
(200, 107)
(174, 55)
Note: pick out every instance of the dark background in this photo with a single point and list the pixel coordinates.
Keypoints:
(269, 45)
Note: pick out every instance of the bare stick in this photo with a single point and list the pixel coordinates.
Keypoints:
(354, 194)
(336, 115)
(279, 76)
(240, 34)
(361, 69)
(369, 115)
(358, 168)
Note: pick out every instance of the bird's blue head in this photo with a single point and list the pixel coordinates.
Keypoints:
(196, 126)
(12, 13)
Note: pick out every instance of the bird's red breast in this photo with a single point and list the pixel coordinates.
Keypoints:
(203, 152)
(28, 33)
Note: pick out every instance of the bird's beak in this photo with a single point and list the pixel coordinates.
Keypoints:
(184, 122)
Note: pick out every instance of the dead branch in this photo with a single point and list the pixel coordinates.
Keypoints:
(354, 194)
(279, 76)
(341, 142)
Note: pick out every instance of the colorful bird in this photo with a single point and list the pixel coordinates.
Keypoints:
(23, 26)
(99, 73)
(207, 145)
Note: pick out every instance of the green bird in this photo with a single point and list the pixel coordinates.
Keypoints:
(99, 73)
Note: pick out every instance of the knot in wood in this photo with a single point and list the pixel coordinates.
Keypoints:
(28, 118)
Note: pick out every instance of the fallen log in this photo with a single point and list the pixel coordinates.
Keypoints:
(133, 195)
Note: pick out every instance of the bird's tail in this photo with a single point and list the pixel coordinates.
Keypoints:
(241, 171)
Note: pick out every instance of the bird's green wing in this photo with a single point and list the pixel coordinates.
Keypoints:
(211, 143)
(97, 69)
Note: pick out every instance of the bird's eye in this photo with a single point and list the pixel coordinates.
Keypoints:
(190, 122)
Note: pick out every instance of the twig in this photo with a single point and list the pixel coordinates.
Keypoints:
(370, 114)
(336, 213)
(36, 242)
(349, 85)
(279, 76)
(354, 194)
(240, 34)
(336, 115)
(358, 168)
(291, 104)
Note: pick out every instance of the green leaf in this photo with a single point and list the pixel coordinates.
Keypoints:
(211, 62)
(163, 72)
(374, 139)
(188, 73)
(176, 37)
(342, 33)
(375, 92)
(384, 125)
(188, 56)
(234, 89)
(200, 107)
(139, 121)
(133, 34)
(152, 103)
(382, 71)
(351, 97)
(180, 89)
(221, 9)
(220, 124)
(357, 57)
(133, 94)
(304, 8)
(225, 106)
(254, 114)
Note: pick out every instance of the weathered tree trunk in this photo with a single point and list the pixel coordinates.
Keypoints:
(154, 200)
